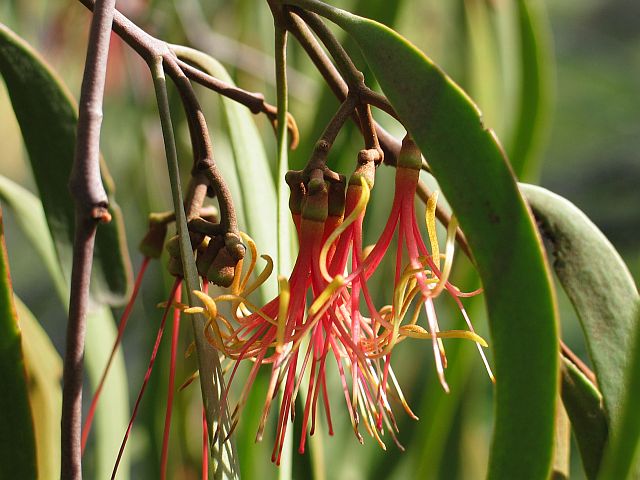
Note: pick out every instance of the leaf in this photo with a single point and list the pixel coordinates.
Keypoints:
(44, 367)
(30, 216)
(623, 447)
(17, 439)
(249, 166)
(535, 94)
(475, 177)
(600, 288)
(583, 403)
(48, 116)
(113, 414)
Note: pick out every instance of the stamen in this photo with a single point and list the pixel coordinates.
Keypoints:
(430, 219)
(352, 217)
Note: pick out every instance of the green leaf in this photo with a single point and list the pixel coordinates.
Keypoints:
(583, 403)
(249, 165)
(17, 438)
(535, 96)
(600, 288)
(475, 177)
(623, 447)
(48, 116)
(44, 369)
(112, 415)
(30, 216)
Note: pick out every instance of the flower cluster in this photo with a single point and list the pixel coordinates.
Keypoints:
(325, 310)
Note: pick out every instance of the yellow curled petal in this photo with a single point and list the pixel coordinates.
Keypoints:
(209, 303)
(352, 217)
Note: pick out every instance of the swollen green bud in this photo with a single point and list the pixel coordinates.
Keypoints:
(315, 205)
(410, 156)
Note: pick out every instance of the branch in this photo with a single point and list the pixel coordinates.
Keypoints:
(91, 203)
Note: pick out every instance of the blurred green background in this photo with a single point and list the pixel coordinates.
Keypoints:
(590, 156)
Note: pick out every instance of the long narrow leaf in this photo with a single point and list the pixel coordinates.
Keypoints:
(583, 403)
(44, 367)
(600, 288)
(621, 459)
(112, 416)
(17, 438)
(48, 116)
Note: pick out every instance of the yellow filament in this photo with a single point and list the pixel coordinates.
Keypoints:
(285, 293)
(237, 277)
(352, 217)
(208, 302)
(448, 259)
(430, 219)
(254, 257)
(416, 331)
(324, 297)
(264, 275)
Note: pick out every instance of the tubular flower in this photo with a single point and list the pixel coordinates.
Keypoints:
(423, 276)
(318, 312)
(276, 333)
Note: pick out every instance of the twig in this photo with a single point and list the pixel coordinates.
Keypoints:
(91, 207)
(389, 144)
(149, 48)
(211, 378)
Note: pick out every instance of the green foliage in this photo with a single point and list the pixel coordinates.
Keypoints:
(17, 438)
(48, 117)
(600, 287)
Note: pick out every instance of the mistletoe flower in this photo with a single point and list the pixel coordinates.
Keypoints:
(422, 277)
(275, 333)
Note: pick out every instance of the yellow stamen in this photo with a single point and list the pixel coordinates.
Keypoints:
(285, 294)
(352, 217)
(448, 259)
(430, 219)
(326, 294)
(416, 331)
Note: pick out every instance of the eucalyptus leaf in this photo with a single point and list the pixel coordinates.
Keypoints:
(48, 116)
(600, 288)
(621, 458)
(17, 437)
(44, 369)
(535, 95)
(113, 414)
(583, 403)
(477, 181)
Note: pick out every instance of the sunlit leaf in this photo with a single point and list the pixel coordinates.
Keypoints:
(474, 175)
(113, 413)
(44, 369)
(48, 116)
(535, 92)
(17, 438)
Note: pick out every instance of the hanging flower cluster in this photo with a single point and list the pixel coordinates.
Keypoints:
(324, 310)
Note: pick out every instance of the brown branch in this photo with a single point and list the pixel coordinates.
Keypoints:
(91, 205)
(389, 144)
